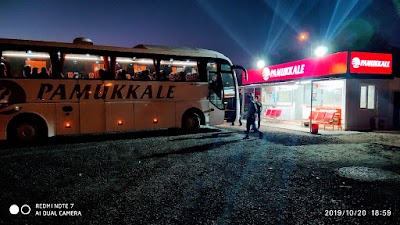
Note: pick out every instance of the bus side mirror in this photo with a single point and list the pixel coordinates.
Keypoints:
(246, 77)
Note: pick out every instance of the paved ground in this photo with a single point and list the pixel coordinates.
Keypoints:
(213, 177)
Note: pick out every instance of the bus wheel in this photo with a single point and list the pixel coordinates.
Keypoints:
(26, 132)
(191, 122)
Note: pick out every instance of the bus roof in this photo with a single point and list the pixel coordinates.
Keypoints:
(141, 49)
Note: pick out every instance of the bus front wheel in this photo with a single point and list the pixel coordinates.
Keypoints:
(191, 122)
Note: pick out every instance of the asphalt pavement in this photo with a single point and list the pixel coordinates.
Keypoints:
(212, 177)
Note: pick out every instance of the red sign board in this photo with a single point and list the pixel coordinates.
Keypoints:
(324, 66)
(370, 63)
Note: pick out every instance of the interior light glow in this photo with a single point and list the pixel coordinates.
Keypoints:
(124, 60)
(178, 63)
(120, 122)
(155, 120)
(80, 57)
(67, 125)
(25, 55)
(128, 60)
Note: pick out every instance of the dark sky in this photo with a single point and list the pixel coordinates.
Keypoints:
(243, 30)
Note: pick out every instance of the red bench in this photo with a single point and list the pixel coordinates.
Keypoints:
(327, 118)
(273, 113)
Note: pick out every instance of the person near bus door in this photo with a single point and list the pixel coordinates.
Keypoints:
(251, 117)
(259, 109)
(240, 107)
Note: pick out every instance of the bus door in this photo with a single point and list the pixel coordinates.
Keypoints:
(215, 95)
(230, 95)
(91, 95)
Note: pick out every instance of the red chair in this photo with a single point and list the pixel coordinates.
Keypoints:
(273, 113)
(268, 113)
(320, 117)
(313, 115)
(278, 113)
(329, 119)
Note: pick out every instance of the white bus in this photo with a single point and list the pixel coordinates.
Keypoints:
(53, 88)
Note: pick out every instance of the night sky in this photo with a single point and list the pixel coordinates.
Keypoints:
(243, 30)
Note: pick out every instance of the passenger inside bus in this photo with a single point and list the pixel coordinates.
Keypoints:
(163, 76)
(35, 72)
(121, 74)
(136, 76)
(44, 74)
(3, 70)
(27, 72)
(153, 76)
(145, 75)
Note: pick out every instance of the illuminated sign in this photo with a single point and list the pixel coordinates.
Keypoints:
(316, 67)
(281, 72)
(330, 65)
(371, 63)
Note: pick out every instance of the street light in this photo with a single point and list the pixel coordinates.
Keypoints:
(321, 51)
(260, 63)
(303, 36)
(318, 51)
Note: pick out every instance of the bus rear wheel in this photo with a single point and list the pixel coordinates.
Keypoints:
(26, 131)
(191, 122)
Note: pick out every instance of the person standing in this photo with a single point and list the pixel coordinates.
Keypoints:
(251, 117)
(259, 109)
(240, 107)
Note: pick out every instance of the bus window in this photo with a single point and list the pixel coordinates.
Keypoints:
(83, 66)
(226, 67)
(27, 64)
(124, 68)
(212, 67)
(179, 70)
(136, 68)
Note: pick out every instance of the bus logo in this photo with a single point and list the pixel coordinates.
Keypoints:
(10, 93)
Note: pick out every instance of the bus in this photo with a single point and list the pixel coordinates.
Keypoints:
(53, 88)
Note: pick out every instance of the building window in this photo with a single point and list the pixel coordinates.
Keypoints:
(367, 97)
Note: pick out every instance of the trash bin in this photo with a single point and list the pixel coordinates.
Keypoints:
(314, 128)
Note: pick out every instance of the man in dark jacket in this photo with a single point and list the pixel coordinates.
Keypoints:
(259, 109)
(251, 117)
